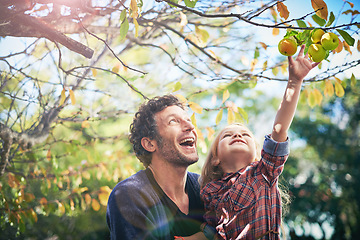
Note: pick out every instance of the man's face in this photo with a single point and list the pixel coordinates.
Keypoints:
(177, 140)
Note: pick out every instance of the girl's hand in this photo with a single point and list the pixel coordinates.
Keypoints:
(301, 66)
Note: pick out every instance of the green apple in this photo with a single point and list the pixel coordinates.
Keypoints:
(316, 35)
(329, 41)
(287, 46)
(316, 52)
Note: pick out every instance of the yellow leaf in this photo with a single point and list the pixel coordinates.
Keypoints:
(94, 72)
(265, 64)
(85, 124)
(212, 54)
(347, 47)
(263, 45)
(211, 132)
(253, 63)
(193, 119)
(195, 107)
(321, 8)
(219, 117)
(284, 68)
(275, 31)
(136, 24)
(95, 205)
(273, 12)
(63, 97)
(358, 45)
(72, 205)
(103, 198)
(329, 88)
(339, 90)
(181, 98)
(202, 34)
(86, 175)
(318, 96)
(33, 214)
(87, 199)
(282, 9)
(61, 208)
(48, 155)
(105, 189)
(72, 97)
(311, 99)
(350, 3)
(275, 71)
(199, 134)
(226, 95)
(183, 20)
(177, 86)
(231, 116)
(116, 68)
(238, 117)
(243, 113)
(339, 48)
(134, 8)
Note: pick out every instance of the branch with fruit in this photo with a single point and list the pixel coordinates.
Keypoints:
(318, 43)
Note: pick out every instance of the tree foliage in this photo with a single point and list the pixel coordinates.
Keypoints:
(71, 86)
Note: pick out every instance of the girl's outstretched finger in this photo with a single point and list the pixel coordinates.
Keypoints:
(301, 53)
(291, 60)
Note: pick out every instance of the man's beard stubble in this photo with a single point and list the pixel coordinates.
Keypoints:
(173, 155)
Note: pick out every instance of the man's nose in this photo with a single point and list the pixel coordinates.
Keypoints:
(188, 126)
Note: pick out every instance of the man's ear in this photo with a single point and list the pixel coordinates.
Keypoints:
(148, 144)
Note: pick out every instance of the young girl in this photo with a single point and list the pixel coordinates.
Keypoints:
(240, 186)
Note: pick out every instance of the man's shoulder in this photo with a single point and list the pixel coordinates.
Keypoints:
(135, 181)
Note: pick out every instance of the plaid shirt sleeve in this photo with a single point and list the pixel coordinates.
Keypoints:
(273, 157)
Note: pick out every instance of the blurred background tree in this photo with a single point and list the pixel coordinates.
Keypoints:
(73, 74)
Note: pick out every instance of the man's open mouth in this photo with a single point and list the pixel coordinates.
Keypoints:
(187, 142)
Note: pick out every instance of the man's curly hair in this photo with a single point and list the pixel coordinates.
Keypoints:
(144, 124)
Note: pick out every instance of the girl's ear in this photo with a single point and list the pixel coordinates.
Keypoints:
(148, 144)
(215, 161)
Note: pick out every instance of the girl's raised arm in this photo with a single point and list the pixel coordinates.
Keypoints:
(298, 69)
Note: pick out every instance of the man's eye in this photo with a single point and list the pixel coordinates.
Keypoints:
(172, 121)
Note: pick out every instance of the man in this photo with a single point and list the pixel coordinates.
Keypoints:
(163, 200)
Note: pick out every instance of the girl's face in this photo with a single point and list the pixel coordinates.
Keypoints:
(236, 148)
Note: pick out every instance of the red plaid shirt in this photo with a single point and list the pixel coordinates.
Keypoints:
(247, 204)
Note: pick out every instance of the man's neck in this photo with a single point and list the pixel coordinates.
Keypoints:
(172, 181)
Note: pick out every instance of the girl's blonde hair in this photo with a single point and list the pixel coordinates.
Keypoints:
(211, 172)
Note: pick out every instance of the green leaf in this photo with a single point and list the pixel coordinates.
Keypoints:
(353, 80)
(318, 20)
(301, 23)
(123, 15)
(257, 53)
(190, 3)
(331, 19)
(124, 28)
(348, 39)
